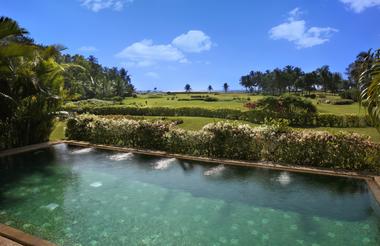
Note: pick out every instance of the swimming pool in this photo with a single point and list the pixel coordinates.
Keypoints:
(83, 196)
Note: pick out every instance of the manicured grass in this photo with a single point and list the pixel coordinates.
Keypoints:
(58, 132)
(225, 100)
(340, 109)
(228, 100)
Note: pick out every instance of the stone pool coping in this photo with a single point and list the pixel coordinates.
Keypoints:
(18, 236)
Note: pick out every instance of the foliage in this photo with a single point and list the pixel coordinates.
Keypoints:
(290, 78)
(95, 81)
(285, 105)
(370, 86)
(342, 102)
(226, 140)
(187, 88)
(322, 149)
(210, 99)
(89, 103)
(31, 84)
(225, 87)
(312, 96)
(352, 93)
(300, 119)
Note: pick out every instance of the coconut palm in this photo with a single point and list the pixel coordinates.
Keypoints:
(225, 87)
(31, 84)
(13, 43)
(370, 86)
(187, 88)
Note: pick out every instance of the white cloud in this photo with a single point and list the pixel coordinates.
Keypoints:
(97, 5)
(152, 75)
(194, 41)
(88, 49)
(360, 5)
(294, 14)
(145, 53)
(295, 31)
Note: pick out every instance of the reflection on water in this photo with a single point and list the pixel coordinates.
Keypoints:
(82, 151)
(163, 163)
(121, 156)
(214, 170)
(108, 198)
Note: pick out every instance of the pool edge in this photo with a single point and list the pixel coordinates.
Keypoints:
(21, 237)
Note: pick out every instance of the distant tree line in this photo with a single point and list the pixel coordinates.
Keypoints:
(294, 79)
(92, 80)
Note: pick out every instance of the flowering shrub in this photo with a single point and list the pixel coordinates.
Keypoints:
(122, 132)
(275, 142)
(322, 149)
(250, 105)
(234, 141)
(258, 116)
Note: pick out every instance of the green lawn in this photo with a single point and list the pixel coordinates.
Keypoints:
(58, 132)
(231, 101)
(227, 100)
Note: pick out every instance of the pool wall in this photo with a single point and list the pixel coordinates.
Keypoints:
(22, 238)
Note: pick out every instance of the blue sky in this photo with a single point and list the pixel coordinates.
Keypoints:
(168, 43)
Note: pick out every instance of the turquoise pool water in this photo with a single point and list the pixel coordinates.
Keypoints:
(76, 196)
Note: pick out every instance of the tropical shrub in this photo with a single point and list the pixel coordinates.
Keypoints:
(322, 149)
(342, 102)
(257, 116)
(352, 93)
(275, 142)
(211, 99)
(312, 96)
(31, 84)
(283, 106)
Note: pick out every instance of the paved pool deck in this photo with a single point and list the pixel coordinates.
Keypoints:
(11, 236)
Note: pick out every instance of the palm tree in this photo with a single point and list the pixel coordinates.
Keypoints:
(13, 43)
(225, 87)
(356, 68)
(325, 76)
(370, 86)
(31, 84)
(187, 88)
(209, 88)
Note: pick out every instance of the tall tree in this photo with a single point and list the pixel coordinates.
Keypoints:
(356, 68)
(209, 88)
(225, 87)
(336, 82)
(187, 88)
(30, 86)
(325, 77)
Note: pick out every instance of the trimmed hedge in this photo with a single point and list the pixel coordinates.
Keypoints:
(258, 116)
(342, 102)
(232, 141)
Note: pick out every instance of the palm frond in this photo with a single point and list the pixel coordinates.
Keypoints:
(9, 27)
(16, 50)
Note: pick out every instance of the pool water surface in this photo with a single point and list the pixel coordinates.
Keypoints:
(83, 196)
